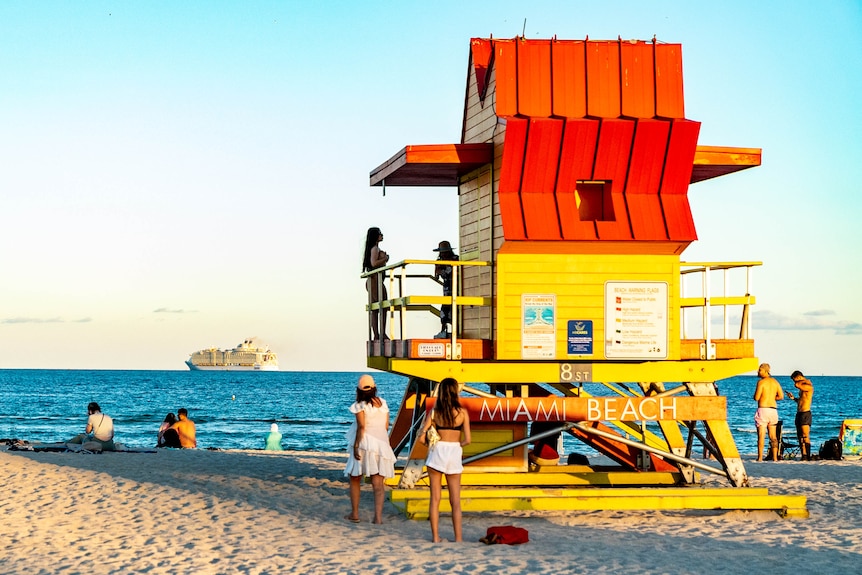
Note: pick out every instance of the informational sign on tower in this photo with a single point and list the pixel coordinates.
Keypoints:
(636, 320)
(538, 326)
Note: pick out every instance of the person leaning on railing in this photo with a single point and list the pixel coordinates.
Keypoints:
(374, 258)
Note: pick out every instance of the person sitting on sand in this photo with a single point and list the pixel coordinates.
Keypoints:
(273, 439)
(100, 428)
(185, 429)
(170, 419)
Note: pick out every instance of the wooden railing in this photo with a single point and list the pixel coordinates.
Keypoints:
(732, 292)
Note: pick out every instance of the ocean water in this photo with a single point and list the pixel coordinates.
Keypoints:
(233, 410)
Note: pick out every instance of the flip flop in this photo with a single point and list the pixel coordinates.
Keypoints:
(351, 519)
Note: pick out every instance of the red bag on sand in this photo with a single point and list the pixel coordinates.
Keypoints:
(505, 534)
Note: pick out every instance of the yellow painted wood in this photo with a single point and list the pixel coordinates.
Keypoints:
(716, 493)
(440, 300)
(697, 267)
(723, 438)
(724, 348)
(549, 477)
(415, 502)
(549, 371)
(578, 281)
(714, 301)
(603, 479)
(486, 436)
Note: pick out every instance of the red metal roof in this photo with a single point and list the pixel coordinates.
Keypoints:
(596, 145)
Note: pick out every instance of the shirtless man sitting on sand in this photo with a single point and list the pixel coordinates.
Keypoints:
(185, 429)
(803, 412)
(766, 394)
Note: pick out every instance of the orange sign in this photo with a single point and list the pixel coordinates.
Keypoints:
(528, 409)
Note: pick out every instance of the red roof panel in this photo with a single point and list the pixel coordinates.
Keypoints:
(509, 189)
(644, 178)
(506, 68)
(576, 163)
(612, 160)
(534, 78)
(673, 192)
(481, 50)
(669, 97)
(603, 79)
(569, 76)
(637, 80)
(539, 179)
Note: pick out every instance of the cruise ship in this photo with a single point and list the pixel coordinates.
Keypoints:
(247, 356)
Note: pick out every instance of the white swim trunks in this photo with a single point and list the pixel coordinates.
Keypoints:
(766, 416)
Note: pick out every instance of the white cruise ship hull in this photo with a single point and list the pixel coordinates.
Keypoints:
(194, 367)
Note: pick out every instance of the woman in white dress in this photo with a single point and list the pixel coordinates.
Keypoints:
(370, 454)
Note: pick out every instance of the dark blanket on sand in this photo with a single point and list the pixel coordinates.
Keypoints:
(60, 447)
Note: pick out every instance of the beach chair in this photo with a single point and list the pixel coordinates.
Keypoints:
(787, 450)
(851, 438)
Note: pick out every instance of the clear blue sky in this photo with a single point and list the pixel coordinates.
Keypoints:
(178, 175)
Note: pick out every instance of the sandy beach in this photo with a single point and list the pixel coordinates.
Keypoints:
(197, 511)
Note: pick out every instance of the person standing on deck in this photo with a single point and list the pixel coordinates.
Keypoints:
(803, 412)
(374, 258)
(444, 274)
(766, 394)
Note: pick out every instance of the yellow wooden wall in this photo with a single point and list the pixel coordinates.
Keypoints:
(578, 281)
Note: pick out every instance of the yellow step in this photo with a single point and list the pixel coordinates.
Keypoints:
(414, 502)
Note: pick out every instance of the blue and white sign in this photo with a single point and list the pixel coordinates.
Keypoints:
(579, 337)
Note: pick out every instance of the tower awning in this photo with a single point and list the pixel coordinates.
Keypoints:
(432, 165)
(714, 161)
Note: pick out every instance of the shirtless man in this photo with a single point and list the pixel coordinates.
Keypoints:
(185, 429)
(803, 412)
(766, 394)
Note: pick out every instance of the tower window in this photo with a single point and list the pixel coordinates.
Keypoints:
(593, 199)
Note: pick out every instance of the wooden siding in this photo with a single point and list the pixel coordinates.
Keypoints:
(479, 212)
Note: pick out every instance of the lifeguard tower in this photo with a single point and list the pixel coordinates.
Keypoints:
(571, 306)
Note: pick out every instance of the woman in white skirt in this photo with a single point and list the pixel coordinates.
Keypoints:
(370, 454)
(453, 425)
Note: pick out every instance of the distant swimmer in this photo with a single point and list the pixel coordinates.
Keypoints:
(766, 394)
(803, 412)
(272, 441)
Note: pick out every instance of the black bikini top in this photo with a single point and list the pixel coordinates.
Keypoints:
(439, 427)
